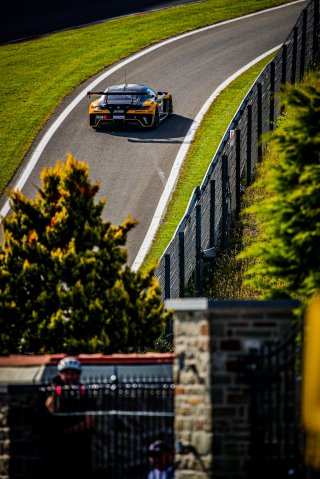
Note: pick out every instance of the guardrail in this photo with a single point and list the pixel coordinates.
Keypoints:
(206, 223)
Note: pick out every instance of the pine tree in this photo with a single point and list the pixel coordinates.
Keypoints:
(64, 282)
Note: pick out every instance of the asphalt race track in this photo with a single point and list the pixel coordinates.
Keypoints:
(133, 166)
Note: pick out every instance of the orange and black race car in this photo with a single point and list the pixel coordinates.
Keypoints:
(129, 104)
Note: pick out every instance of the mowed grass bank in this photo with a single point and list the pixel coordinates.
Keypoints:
(36, 75)
(200, 154)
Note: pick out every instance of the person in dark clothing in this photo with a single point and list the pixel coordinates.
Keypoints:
(160, 456)
(71, 423)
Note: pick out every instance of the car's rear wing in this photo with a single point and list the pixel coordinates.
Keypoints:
(120, 93)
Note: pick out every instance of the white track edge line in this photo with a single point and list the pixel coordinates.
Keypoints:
(165, 197)
(46, 138)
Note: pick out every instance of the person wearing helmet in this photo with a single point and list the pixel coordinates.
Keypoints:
(69, 371)
(71, 422)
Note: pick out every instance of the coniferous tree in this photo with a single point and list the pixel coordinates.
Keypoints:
(64, 282)
(286, 252)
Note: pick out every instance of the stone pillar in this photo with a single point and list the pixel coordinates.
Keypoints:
(212, 431)
(193, 410)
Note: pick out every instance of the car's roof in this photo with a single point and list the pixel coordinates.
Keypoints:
(127, 87)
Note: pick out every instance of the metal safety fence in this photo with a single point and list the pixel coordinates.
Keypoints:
(90, 430)
(213, 205)
(273, 373)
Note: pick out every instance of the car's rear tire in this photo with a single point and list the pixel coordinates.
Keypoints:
(156, 120)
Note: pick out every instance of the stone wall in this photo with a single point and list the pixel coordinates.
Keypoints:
(212, 398)
(4, 433)
(19, 433)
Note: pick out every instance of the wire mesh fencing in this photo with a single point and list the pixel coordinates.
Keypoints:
(205, 227)
(89, 430)
(124, 417)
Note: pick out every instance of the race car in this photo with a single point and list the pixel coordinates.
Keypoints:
(129, 104)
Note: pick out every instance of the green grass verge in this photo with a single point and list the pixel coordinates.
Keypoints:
(229, 278)
(200, 154)
(36, 75)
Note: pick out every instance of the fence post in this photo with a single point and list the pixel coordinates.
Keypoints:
(315, 42)
(284, 63)
(238, 172)
(212, 220)
(272, 95)
(294, 55)
(212, 212)
(181, 264)
(224, 202)
(303, 42)
(259, 121)
(249, 143)
(198, 251)
(167, 276)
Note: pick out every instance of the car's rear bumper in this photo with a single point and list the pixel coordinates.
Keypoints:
(105, 119)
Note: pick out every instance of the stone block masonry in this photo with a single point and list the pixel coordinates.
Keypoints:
(212, 401)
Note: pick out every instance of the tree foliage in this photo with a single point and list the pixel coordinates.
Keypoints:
(64, 282)
(286, 250)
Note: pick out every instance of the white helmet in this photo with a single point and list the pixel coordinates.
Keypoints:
(69, 363)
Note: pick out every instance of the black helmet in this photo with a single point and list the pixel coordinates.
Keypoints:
(158, 447)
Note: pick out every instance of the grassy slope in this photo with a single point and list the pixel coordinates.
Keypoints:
(229, 278)
(201, 152)
(36, 75)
